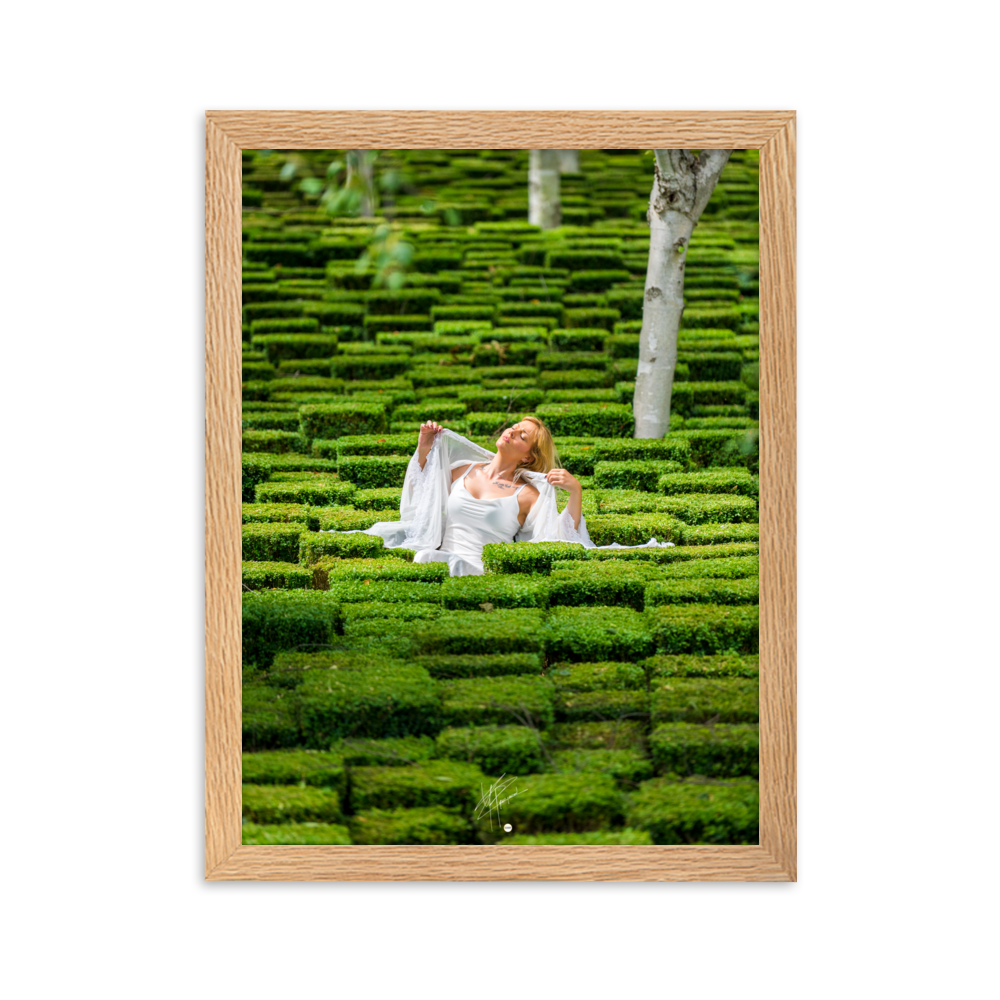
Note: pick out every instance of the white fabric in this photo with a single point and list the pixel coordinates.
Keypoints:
(429, 518)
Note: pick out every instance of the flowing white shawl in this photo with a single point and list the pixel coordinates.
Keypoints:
(424, 502)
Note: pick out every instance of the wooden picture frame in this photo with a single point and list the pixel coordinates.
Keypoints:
(226, 134)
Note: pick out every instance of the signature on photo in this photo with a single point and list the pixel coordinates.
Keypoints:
(491, 799)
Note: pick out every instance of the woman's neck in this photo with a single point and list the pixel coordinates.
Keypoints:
(499, 467)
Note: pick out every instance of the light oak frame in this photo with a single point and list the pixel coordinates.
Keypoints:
(226, 134)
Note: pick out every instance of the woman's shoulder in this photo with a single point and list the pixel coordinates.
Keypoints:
(459, 468)
(528, 495)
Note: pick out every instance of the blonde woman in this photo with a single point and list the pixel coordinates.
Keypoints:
(458, 496)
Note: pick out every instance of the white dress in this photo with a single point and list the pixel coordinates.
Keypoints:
(442, 523)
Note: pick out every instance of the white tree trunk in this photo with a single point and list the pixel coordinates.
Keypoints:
(682, 186)
(543, 188)
(361, 177)
(569, 161)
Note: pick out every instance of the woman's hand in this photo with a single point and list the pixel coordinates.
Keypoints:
(564, 480)
(428, 431)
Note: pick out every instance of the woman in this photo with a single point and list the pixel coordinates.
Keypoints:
(458, 497)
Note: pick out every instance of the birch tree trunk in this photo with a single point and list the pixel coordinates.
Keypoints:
(682, 186)
(361, 178)
(569, 161)
(543, 188)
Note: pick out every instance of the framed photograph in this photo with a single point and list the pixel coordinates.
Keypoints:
(500, 496)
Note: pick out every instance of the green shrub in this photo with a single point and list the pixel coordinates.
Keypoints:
(611, 584)
(712, 366)
(721, 508)
(719, 751)
(579, 339)
(643, 449)
(403, 751)
(736, 481)
(520, 699)
(429, 410)
(304, 491)
(628, 767)
(606, 675)
(514, 631)
(579, 706)
(272, 542)
(584, 260)
(570, 360)
(735, 567)
(369, 366)
(290, 803)
(285, 575)
(270, 420)
(338, 569)
(716, 534)
(424, 826)
(383, 698)
(635, 530)
(593, 633)
(451, 665)
(295, 833)
(597, 280)
(528, 557)
(587, 419)
(697, 812)
(262, 513)
(405, 301)
(374, 471)
(395, 323)
(495, 750)
(392, 591)
(279, 346)
(513, 401)
(631, 475)
(270, 716)
(723, 447)
(274, 620)
(674, 553)
(622, 345)
(352, 545)
(725, 665)
(273, 442)
(471, 593)
(562, 802)
(436, 782)
(334, 420)
(256, 469)
(685, 396)
(704, 591)
(705, 628)
(705, 699)
(590, 318)
(711, 317)
(381, 498)
(257, 391)
(582, 378)
(294, 767)
(373, 444)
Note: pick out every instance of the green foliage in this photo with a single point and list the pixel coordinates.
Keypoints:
(438, 782)
(275, 620)
(589, 419)
(451, 665)
(422, 826)
(589, 634)
(514, 631)
(569, 803)
(374, 471)
(272, 541)
(528, 557)
(494, 749)
(720, 750)
(286, 575)
(523, 699)
(290, 803)
(697, 811)
(488, 592)
(705, 628)
(295, 833)
(293, 767)
(383, 698)
(256, 469)
(331, 420)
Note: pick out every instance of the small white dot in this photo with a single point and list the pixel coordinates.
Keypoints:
(507, 827)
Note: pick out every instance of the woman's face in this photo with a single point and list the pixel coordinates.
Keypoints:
(516, 442)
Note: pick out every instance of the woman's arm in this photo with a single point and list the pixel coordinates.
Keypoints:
(567, 481)
(428, 431)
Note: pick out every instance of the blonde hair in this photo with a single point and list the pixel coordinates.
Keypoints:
(544, 456)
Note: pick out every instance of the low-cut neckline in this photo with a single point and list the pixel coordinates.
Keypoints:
(510, 496)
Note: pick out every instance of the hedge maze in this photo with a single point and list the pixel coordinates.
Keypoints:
(615, 690)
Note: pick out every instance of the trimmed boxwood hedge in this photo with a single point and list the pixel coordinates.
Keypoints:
(452, 665)
(716, 534)
(275, 620)
(587, 419)
(494, 749)
(595, 633)
(294, 767)
(374, 471)
(732, 480)
(286, 575)
(256, 469)
(466, 632)
(697, 811)
(528, 557)
(263, 513)
(512, 699)
(704, 591)
(705, 628)
(272, 541)
(561, 802)
(702, 665)
(332, 420)
(295, 833)
(318, 492)
(436, 782)
(472, 593)
(721, 750)
(705, 699)
(636, 530)
(611, 584)
(290, 803)
(427, 825)
(632, 475)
